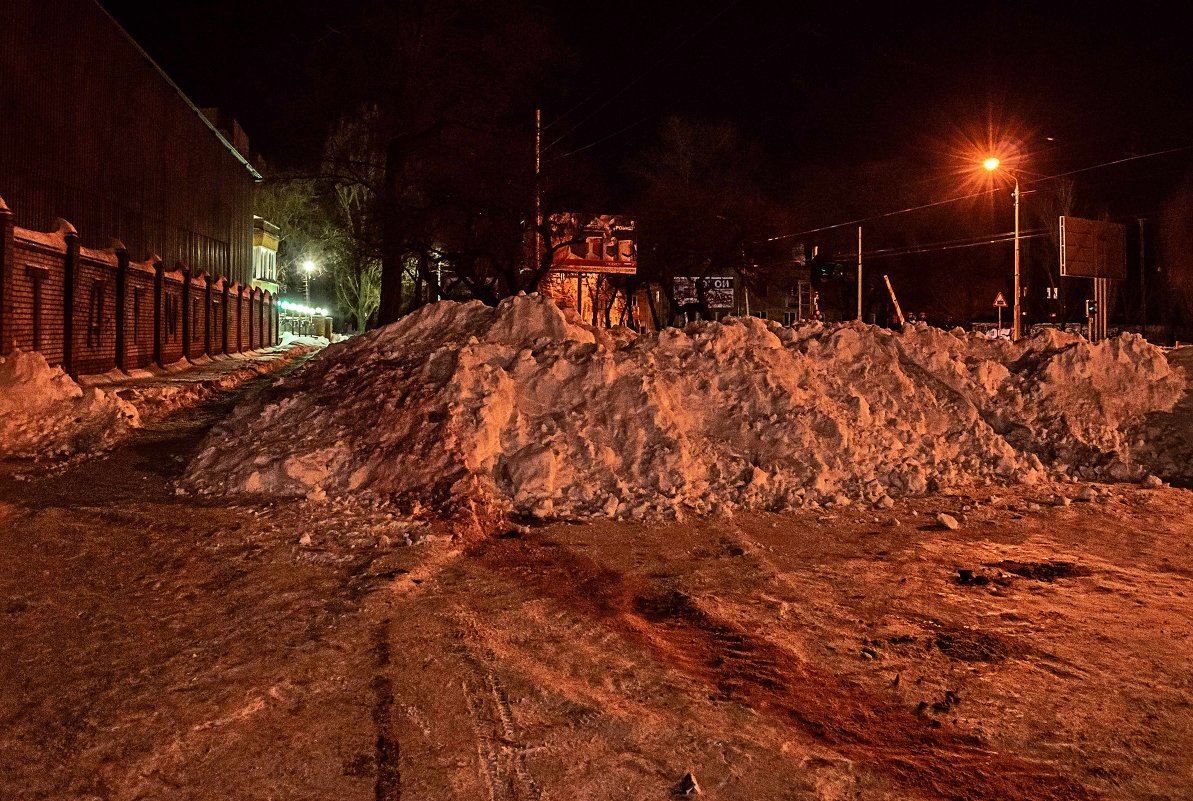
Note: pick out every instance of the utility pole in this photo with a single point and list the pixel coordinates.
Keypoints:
(1016, 328)
(1142, 280)
(859, 273)
(538, 184)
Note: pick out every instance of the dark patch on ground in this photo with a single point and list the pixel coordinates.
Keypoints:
(1042, 571)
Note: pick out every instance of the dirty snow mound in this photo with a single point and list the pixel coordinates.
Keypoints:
(44, 413)
(525, 407)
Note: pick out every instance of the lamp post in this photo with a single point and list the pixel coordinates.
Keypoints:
(991, 164)
(308, 267)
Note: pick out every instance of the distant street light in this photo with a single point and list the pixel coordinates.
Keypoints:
(991, 164)
(308, 267)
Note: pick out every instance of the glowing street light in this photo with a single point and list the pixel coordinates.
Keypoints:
(308, 267)
(991, 164)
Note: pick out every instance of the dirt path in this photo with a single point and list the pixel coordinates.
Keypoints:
(153, 642)
(163, 646)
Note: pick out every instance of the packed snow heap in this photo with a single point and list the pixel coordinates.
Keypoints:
(525, 407)
(45, 414)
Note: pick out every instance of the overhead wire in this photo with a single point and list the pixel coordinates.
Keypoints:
(1028, 182)
(877, 216)
(627, 84)
(933, 247)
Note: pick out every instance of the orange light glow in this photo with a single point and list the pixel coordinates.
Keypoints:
(991, 164)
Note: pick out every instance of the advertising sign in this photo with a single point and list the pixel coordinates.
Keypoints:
(717, 289)
(1092, 249)
(605, 243)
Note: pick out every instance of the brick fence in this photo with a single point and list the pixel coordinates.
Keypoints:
(92, 311)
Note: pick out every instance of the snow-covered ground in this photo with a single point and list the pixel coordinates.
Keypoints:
(156, 645)
(524, 408)
(45, 413)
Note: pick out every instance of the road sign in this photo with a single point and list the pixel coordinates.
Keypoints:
(1092, 249)
(1000, 302)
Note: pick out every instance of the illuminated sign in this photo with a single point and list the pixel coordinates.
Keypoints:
(717, 289)
(605, 243)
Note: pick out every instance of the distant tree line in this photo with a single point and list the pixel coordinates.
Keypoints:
(424, 187)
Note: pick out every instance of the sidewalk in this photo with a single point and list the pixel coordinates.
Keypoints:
(157, 391)
(201, 370)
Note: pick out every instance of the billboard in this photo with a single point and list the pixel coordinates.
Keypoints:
(604, 243)
(717, 289)
(1092, 249)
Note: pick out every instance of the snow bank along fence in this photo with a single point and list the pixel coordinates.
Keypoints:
(94, 310)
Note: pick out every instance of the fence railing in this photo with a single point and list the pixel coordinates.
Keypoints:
(95, 310)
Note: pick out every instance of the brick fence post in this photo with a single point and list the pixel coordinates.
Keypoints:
(207, 315)
(121, 301)
(70, 268)
(266, 320)
(159, 283)
(7, 256)
(239, 318)
(186, 311)
(224, 315)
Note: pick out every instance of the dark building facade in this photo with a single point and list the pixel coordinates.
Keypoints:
(93, 132)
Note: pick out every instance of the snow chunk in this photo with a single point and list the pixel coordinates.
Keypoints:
(526, 408)
(44, 413)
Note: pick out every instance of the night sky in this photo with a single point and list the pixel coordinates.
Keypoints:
(809, 83)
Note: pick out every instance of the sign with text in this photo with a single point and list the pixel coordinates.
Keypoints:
(605, 243)
(1092, 249)
(717, 291)
(1000, 302)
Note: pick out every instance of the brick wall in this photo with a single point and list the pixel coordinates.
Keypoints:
(122, 314)
(217, 320)
(94, 330)
(197, 341)
(242, 318)
(170, 312)
(255, 319)
(138, 315)
(34, 287)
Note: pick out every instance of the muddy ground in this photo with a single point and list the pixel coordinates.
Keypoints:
(156, 646)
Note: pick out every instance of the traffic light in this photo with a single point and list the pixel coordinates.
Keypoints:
(824, 271)
(1091, 308)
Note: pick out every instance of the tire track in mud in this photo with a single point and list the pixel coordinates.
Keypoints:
(387, 752)
(499, 747)
(752, 670)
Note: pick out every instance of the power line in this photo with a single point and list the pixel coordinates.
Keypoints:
(876, 216)
(935, 248)
(618, 132)
(627, 84)
(1120, 161)
(973, 195)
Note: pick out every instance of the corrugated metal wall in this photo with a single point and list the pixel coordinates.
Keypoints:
(91, 132)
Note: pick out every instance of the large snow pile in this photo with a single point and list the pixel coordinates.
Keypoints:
(44, 413)
(525, 407)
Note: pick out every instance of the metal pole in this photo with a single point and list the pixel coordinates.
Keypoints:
(538, 188)
(1142, 280)
(894, 299)
(859, 273)
(1015, 327)
(306, 286)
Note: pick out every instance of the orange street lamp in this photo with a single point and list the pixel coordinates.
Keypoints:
(991, 164)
